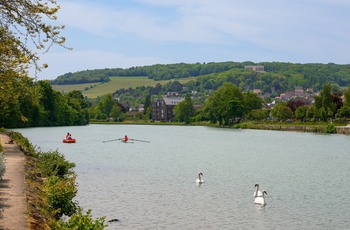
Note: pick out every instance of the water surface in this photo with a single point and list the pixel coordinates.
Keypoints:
(152, 185)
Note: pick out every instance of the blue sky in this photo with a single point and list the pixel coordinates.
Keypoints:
(126, 33)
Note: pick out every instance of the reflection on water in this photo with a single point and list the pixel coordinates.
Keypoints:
(152, 185)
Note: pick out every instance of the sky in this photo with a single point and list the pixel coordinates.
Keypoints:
(127, 33)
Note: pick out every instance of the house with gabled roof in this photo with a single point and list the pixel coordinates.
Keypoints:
(162, 109)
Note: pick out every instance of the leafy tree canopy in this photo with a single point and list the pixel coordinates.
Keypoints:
(24, 24)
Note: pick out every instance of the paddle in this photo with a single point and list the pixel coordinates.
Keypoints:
(139, 140)
(113, 140)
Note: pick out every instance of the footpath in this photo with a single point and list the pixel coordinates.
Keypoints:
(13, 209)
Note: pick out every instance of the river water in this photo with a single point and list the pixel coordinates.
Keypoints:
(152, 185)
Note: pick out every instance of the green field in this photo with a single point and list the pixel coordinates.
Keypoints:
(98, 89)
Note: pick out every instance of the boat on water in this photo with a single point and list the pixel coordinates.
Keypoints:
(126, 142)
(69, 140)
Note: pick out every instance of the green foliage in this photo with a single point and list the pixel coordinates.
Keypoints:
(80, 221)
(330, 128)
(60, 194)
(184, 110)
(53, 163)
(81, 77)
(325, 106)
(217, 107)
(2, 164)
(259, 114)
(344, 112)
(347, 96)
(24, 143)
(282, 112)
(24, 104)
(25, 24)
(251, 102)
(52, 197)
(301, 112)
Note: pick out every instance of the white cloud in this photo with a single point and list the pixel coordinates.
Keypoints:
(143, 32)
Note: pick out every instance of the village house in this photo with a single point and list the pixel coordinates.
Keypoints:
(162, 109)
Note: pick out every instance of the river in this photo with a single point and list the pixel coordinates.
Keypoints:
(152, 185)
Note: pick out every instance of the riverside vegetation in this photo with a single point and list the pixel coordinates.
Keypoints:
(50, 189)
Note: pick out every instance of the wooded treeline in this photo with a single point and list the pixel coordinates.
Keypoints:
(26, 103)
(81, 77)
(279, 75)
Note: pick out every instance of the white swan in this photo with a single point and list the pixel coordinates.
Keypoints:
(257, 192)
(260, 199)
(200, 180)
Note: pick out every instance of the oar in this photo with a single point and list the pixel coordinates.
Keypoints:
(113, 140)
(139, 140)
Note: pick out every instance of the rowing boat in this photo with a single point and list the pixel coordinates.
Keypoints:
(69, 140)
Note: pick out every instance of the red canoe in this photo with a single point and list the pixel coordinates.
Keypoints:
(69, 140)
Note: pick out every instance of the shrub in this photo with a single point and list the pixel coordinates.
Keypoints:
(81, 221)
(53, 163)
(60, 194)
(330, 128)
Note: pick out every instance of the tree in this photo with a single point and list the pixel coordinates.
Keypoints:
(148, 104)
(295, 104)
(216, 107)
(251, 102)
(234, 110)
(24, 23)
(347, 96)
(326, 103)
(282, 112)
(79, 105)
(184, 110)
(106, 104)
(301, 112)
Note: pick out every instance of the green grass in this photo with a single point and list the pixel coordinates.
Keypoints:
(68, 88)
(116, 83)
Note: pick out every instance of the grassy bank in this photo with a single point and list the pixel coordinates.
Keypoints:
(50, 189)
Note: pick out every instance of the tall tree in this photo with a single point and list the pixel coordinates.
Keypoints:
(251, 102)
(325, 105)
(216, 108)
(184, 110)
(148, 103)
(282, 112)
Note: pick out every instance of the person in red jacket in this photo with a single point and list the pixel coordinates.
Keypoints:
(126, 138)
(67, 135)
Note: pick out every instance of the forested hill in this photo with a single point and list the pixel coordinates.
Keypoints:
(319, 73)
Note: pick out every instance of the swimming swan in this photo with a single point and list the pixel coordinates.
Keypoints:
(200, 180)
(260, 199)
(257, 192)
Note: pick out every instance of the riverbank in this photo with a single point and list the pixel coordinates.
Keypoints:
(321, 127)
(12, 188)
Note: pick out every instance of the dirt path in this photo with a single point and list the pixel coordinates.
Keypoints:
(12, 188)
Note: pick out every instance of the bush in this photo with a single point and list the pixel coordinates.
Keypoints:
(330, 129)
(60, 194)
(81, 221)
(23, 143)
(54, 164)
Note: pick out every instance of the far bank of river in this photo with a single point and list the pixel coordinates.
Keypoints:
(320, 128)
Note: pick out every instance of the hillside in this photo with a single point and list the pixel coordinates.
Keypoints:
(272, 78)
(94, 90)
